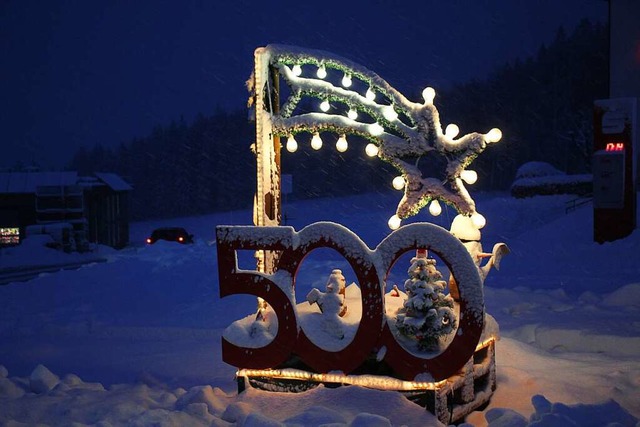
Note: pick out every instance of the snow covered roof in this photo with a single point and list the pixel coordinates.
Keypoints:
(114, 181)
(26, 182)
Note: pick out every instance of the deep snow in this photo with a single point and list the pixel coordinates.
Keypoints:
(137, 339)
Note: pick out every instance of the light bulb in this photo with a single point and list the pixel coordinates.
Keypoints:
(478, 220)
(468, 176)
(322, 72)
(375, 129)
(398, 182)
(494, 135)
(371, 150)
(346, 80)
(394, 222)
(292, 144)
(342, 144)
(389, 113)
(316, 141)
(324, 106)
(452, 131)
(428, 94)
(370, 95)
(297, 70)
(352, 114)
(434, 208)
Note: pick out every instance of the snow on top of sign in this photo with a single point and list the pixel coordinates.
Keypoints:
(346, 239)
(251, 235)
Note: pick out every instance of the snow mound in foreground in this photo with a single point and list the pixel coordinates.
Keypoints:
(45, 398)
(549, 414)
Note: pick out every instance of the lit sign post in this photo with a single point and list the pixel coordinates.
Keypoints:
(614, 169)
(451, 380)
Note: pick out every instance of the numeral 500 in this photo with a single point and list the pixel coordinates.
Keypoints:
(371, 268)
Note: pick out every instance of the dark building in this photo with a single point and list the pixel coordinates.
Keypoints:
(83, 210)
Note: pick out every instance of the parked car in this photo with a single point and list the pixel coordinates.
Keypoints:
(172, 234)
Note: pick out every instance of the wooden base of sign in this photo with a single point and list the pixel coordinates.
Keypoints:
(467, 391)
(450, 400)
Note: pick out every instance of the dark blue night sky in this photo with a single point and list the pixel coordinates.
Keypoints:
(76, 73)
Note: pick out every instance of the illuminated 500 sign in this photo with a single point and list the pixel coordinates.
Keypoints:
(371, 269)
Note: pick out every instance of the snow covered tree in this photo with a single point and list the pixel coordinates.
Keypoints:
(427, 314)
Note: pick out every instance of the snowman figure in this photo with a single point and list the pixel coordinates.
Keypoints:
(465, 230)
(331, 303)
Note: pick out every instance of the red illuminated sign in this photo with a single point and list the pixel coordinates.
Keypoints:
(615, 146)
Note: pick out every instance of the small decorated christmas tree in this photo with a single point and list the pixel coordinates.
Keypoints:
(427, 314)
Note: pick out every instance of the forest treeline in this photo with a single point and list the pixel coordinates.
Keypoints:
(543, 104)
(182, 169)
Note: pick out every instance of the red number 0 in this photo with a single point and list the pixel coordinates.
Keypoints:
(373, 332)
(453, 253)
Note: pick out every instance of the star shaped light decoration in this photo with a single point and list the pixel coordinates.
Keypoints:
(399, 130)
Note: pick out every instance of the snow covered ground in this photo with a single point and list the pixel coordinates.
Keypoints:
(136, 340)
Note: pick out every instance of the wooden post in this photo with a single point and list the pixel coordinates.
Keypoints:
(267, 204)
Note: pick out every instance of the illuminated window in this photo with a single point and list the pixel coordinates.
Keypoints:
(9, 236)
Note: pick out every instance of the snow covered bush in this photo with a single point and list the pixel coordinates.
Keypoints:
(540, 178)
(537, 169)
